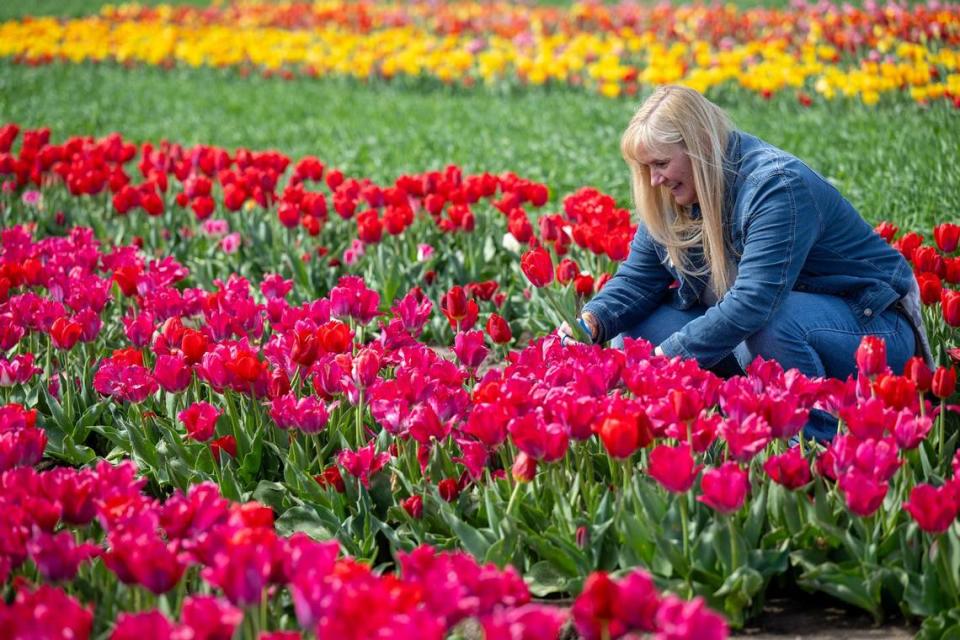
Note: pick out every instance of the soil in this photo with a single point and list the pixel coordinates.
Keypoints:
(818, 617)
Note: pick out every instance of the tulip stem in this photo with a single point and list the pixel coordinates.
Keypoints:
(684, 524)
(945, 565)
(942, 432)
(734, 556)
(513, 496)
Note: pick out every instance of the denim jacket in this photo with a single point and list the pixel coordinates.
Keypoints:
(788, 230)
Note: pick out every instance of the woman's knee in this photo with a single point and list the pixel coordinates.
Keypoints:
(662, 323)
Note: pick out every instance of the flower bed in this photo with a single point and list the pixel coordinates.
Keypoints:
(214, 322)
(810, 49)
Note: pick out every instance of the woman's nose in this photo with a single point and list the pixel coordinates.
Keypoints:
(655, 178)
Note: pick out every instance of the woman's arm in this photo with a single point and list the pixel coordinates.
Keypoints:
(782, 223)
(634, 291)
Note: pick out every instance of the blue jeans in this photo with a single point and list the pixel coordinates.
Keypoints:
(816, 334)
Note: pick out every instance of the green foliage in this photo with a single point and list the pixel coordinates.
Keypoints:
(893, 161)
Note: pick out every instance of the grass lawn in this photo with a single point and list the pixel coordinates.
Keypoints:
(895, 161)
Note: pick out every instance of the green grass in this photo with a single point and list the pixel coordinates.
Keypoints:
(894, 161)
(14, 9)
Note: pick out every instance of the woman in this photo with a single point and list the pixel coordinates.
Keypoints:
(769, 258)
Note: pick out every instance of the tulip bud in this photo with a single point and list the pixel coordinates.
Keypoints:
(524, 468)
(944, 382)
(414, 506)
(871, 356)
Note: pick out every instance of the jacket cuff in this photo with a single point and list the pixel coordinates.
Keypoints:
(603, 320)
(672, 347)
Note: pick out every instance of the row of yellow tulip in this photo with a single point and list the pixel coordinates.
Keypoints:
(857, 54)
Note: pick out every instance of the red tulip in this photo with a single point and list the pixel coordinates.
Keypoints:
(448, 489)
(194, 345)
(871, 356)
(65, 332)
(331, 477)
(674, 467)
(864, 493)
(944, 382)
(619, 435)
(567, 270)
(950, 306)
(200, 420)
(917, 371)
(947, 236)
(524, 468)
(499, 329)
(537, 266)
(413, 506)
(933, 509)
(930, 288)
(789, 469)
(593, 610)
(226, 443)
(887, 230)
(725, 488)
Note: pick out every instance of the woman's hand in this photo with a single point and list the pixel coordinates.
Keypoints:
(567, 335)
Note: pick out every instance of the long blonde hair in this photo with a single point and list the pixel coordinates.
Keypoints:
(679, 115)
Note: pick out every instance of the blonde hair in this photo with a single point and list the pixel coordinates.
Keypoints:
(679, 115)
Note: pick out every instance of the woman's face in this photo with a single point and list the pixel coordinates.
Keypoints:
(671, 169)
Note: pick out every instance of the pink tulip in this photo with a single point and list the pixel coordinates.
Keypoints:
(724, 488)
(674, 467)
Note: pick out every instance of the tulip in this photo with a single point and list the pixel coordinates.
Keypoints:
(887, 230)
(498, 329)
(950, 307)
(331, 477)
(933, 509)
(448, 489)
(619, 435)
(725, 488)
(172, 373)
(947, 236)
(363, 462)
(919, 373)
(524, 468)
(46, 612)
(930, 288)
(454, 304)
(593, 610)
(226, 443)
(567, 270)
(469, 348)
(679, 619)
(789, 469)
(674, 467)
(413, 506)
(537, 267)
(863, 493)
(58, 556)
(142, 626)
(210, 617)
(944, 382)
(746, 438)
(911, 429)
(871, 356)
(65, 333)
(896, 391)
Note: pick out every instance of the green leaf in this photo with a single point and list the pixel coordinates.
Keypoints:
(272, 494)
(305, 519)
(545, 579)
(846, 583)
(475, 542)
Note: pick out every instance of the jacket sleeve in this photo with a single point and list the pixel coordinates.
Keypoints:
(634, 291)
(781, 224)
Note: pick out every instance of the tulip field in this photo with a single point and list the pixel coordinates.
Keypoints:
(279, 286)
